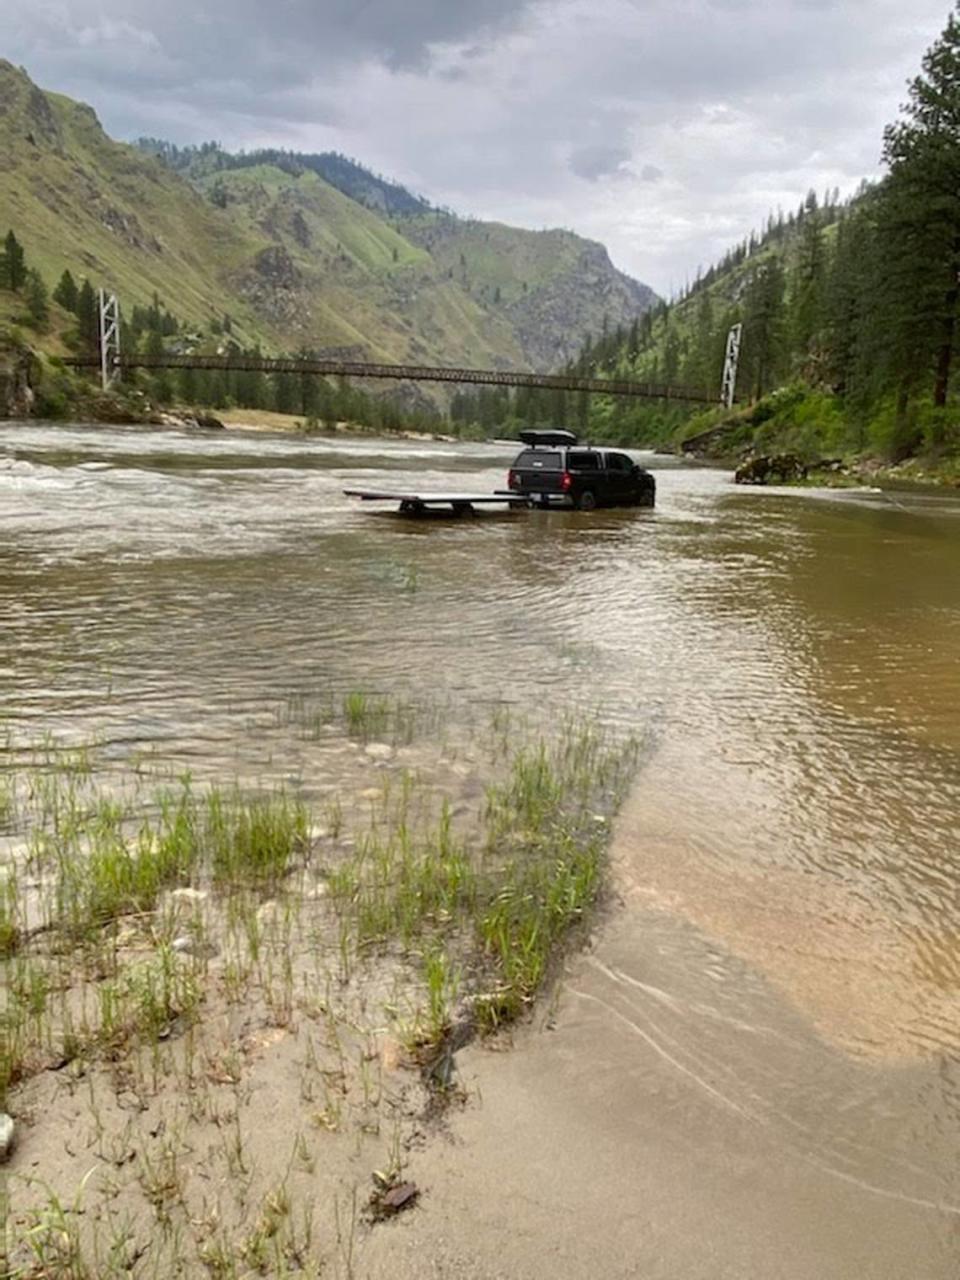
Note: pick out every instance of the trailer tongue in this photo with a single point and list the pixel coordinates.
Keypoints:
(422, 503)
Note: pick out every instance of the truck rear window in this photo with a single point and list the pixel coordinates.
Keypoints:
(538, 460)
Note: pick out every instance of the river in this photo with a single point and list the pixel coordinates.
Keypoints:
(767, 1028)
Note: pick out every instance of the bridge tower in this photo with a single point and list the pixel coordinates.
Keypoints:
(109, 333)
(731, 360)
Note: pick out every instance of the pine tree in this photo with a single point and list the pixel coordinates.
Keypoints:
(310, 403)
(671, 355)
(854, 326)
(216, 393)
(88, 324)
(328, 405)
(633, 340)
(807, 283)
(189, 386)
(251, 387)
(13, 266)
(285, 393)
(66, 292)
(763, 338)
(161, 380)
(921, 221)
(702, 369)
(37, 299)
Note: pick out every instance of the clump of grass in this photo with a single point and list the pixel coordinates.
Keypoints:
(544, 828)
(51, 1235)
(9, 915)
(8, 799)
(539, 902)
(373, 715)
(499, 908)
(119, 873)
(111, 863)
(443, 983)
(13, 1046)
(366, 714)
(363, 714)
(147, 999)
(98, 861)
(254, 841)
(397, 887)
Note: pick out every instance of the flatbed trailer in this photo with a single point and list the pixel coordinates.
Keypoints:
(422, 503)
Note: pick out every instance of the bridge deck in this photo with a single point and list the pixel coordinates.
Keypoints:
(238, 362)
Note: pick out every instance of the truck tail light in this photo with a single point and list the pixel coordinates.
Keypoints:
(566, 480)
(511, 479)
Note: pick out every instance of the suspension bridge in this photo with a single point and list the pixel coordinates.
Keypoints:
(111, 362)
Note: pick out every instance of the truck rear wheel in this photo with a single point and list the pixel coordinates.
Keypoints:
(587, 501)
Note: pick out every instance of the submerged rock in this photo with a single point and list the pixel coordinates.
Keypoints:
(762, 470)
(379, 751)
(7, 1134)
(208, 421)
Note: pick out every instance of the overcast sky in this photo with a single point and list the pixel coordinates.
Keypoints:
(665, 128)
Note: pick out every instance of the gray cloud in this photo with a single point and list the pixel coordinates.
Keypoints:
(597, 161)
(544, 112)
(236, 56)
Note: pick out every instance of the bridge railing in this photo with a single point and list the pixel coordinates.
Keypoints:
(239, 363)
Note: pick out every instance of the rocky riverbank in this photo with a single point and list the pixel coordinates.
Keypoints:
(18, 374)
(797, 435)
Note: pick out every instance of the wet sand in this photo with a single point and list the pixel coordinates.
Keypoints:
(611, 1142)
(729, 1083)
(565, 1173)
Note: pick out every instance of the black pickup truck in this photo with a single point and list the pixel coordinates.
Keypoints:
(555, 469)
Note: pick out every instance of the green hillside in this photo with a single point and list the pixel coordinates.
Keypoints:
(337, 277)
(83, 202)
(292, 260)
(552, 287)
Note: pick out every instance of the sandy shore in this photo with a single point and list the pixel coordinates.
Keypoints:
(266, 420)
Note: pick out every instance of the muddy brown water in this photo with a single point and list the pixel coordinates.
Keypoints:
(756, 1068)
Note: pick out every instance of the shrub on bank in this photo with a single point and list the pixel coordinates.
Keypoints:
(813, 424)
